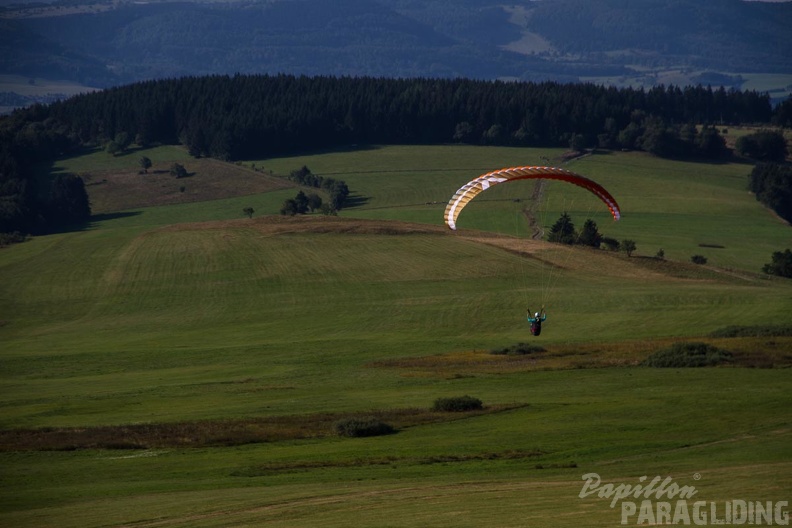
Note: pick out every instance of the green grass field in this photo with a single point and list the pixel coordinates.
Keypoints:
(191, 314)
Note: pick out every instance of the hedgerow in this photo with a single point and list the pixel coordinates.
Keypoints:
(688, 355)
(362, 426)
(457, 404)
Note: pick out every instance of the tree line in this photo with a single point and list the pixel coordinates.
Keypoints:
(259, 116)
(30, 205)
(336, 189)
(249, 116)
(563, 231)
(772, 185)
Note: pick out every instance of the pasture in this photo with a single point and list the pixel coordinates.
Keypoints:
(199, 342)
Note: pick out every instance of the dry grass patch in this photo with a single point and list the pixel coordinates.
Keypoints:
(280, 467)
(214, 433)
(209, 179)
(757, 352)
(271, 225)
(554, 357)
(750, 352)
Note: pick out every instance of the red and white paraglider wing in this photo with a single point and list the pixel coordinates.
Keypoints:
(480, 184)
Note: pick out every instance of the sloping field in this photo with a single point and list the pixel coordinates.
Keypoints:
(188, 319)
(684, 208)
(123, 188)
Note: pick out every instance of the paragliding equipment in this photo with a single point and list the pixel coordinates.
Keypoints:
(536, 321)
(476, 186)
(480, 184)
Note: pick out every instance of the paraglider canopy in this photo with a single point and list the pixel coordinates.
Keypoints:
(480, 184)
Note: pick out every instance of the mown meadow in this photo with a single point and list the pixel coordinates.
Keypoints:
(182, 365)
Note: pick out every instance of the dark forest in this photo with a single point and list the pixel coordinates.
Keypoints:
(254, 117)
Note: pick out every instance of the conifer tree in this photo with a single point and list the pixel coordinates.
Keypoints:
(563, 231)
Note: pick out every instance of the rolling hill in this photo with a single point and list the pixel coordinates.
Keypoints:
(205, 355)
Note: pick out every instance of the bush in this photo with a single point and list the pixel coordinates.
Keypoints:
(611, 243)
(628, 246)
(688, 355)
(698, 259)
(765, 145)
(457, 404)
(362, 426)
(177, 170)
(780, 265)
(6, 239)
(519, 349)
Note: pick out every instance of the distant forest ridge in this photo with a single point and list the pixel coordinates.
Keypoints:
(105, 43)
(260, 116)
(242, 116)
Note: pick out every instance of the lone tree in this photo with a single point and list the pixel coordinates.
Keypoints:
(248, 211)
(563, 231)
(628, 246)
(178, 170)
(589, 235)
(781, 264)
(145, 164)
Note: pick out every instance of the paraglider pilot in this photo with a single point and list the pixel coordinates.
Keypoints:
(536, 321)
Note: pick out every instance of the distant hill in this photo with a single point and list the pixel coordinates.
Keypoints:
(104, 43)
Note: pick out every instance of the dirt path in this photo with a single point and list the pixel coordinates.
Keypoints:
(530, 212)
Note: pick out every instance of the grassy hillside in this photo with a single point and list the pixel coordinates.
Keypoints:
(192, 317)
(684, 208)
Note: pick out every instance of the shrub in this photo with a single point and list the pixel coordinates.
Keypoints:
(780, 265)
(362, 426)
(628, 246)
(177, 170)
(766, 145)
(698, 259)
(611, 243)
(688, 355)
(457, 404)
(6, 239)
(519, 349)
